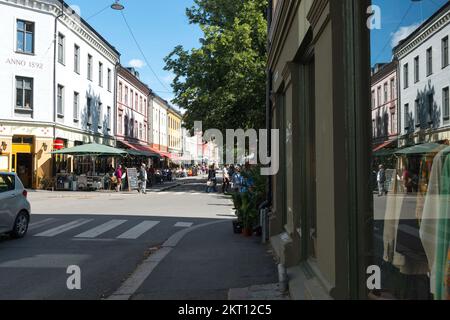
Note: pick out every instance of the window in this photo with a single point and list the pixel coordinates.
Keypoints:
(136, 101)
(120, 92)
(100, 115)
(416, 69)
(76, 106)
(76, 59)
(89, 110)
(445, 57)
(430, 104)
(109, 79)
(417, 107)
(379, 96)
(140, 104)
(126, 96)
(373, 99)
(61, 48)
(140, 131)
(89, 67)
(24, 93)
(108, 118)
(429, 61)
(136, 128)
(145, 107)
(7, 183)
(407, 119)
(405, 75)
(60, 101)
(25, 37)
(386, 93)
(127, 129)
(392, 123)
(100, 74)
(445, 103)
(131, 98)
(393, 94)
(120, 124)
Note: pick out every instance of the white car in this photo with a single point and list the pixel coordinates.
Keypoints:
(15, 209)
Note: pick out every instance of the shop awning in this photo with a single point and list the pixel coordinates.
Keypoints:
(422, 149)
(91, 149)
(139, 150)
(384, 145)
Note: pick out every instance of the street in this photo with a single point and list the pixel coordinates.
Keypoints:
(107, 235)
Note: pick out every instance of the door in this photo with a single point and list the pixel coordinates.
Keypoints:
(8, 202)
(24, 168)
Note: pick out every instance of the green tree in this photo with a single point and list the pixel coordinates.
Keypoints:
(222, 83)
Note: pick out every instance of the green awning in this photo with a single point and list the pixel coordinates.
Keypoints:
(92, 149)
(385, 152)
(422, 149)
(141, 153)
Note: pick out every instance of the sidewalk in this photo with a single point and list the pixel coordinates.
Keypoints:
(207, 263)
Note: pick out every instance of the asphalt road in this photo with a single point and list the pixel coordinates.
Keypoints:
(107, 235)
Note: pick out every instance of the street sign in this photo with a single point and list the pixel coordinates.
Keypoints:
(132, 176)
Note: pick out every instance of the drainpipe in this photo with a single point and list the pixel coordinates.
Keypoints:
(269, 107)
(55, 39)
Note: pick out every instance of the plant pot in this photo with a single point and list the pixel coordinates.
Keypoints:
(237, 227)
(247, 232)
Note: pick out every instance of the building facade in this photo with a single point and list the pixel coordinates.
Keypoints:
(57, 88)
(174, 133)
(132, 110)
(424, 81)
(159, 130)
(318, 79)
(384, 105)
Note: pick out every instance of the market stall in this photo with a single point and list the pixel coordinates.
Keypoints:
(93, 167)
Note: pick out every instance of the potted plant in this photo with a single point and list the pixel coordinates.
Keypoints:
(249, 213)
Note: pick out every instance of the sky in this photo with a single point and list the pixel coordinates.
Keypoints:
(397, 23)
(158, 26)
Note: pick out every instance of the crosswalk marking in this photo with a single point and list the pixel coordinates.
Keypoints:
(36, 225)
(183, 225)
(65, 227)
(138, 230)
(93, 233)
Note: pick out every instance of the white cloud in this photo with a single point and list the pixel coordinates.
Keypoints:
(402, 33)
(136, 63)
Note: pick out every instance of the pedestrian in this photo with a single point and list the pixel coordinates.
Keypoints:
(143, 179)
(226, 179)
(381, 179)
(212, 180)
(119, 174)
(237, 180)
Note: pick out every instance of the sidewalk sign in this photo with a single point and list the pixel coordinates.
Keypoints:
(132, 176)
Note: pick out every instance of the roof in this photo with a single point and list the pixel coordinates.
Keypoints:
(66, 5)
(429, 21)
(385, 70)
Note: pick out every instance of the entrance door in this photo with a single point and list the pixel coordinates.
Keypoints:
(24, 168)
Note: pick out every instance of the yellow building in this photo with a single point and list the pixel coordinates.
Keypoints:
(174, 131)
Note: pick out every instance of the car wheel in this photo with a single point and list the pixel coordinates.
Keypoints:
(20, 225)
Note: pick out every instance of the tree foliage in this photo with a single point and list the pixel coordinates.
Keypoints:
(222, 83)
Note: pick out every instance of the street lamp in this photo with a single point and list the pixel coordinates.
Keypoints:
(117, 6)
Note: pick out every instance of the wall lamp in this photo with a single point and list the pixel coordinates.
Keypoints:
(4, 145)
(45, 146)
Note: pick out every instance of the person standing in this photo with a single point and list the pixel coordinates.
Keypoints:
(119, 174)
(212, 180)
(143, 179)
(381, 179)
(226, 180)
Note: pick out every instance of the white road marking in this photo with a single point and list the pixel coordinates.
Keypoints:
(138, 230)
(39, 224)
(183, 225)
(65, 227)
(94, 233)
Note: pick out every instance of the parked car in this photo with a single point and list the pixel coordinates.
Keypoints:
(15, 209)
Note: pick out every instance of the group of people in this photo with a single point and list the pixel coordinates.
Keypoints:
(232, 180)
(409, 181)
(146, 176)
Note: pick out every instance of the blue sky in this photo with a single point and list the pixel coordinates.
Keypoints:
(160, 25)
(394, 28)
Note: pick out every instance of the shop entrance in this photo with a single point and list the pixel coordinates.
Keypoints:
(22, 159)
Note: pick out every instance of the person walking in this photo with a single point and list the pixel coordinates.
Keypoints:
(212, 180)
(381, 179)
(226, 179)
(143, 179)
(119, 174)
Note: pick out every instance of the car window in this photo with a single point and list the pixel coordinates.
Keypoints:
(7, 183)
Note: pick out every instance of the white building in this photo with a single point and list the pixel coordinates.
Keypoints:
(54, 93)
(424, 81)
(159, 130)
